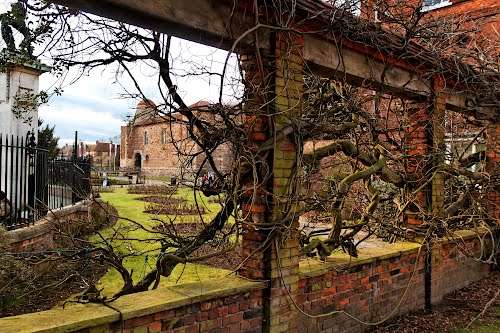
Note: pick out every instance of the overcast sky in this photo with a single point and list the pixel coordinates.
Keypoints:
(93, 105)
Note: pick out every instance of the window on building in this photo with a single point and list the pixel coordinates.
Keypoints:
(164, 136)
(146, 140)
(379, 15)
(434, 4)
(353, 6)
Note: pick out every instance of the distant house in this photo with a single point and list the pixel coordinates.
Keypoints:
(103, 155)
(155, 145)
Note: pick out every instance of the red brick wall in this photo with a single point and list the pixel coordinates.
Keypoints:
(157, 157)
(372, 291)
(493, 168)
(369, 291)
(231, 314)
(40, 235)
(39, 242)
(483, 15)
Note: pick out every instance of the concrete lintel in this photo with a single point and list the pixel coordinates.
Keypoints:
(360, 69)
(200, 21)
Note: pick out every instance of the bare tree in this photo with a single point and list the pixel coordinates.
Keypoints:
(353, 142)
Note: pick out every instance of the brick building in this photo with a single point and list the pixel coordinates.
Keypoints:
(155, 145)
(103, 154)
(483, 14)
(480, 16)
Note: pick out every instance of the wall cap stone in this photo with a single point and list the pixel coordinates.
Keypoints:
(80, 316)
(340, 261)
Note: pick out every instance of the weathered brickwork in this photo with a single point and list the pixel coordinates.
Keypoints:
(277, 262)
(231, 314)
(157, 156)
(158, 147)
(255, 205)
(425, 135)
(372, 291)
(438, 145)
(289, 87)
(483, 14)
(369, 290)
(417, 150)
(425, 148)
(493, 167)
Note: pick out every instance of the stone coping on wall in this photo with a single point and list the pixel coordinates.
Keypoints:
(42, 226)
(372, 251)
(80, 316)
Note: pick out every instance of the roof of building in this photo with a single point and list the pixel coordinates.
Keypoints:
(146, 112)
(145, 104)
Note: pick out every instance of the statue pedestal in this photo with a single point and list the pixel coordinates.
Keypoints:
(18, 116)
(18, 80)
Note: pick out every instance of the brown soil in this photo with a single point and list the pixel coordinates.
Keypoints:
(162, 200)
(455, 311)
(215, 199)
(172, 209)
(152, 189)
(229, 260)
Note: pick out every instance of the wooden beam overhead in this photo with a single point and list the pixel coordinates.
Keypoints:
(215, 23)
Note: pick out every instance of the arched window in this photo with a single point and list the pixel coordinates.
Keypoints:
(164, 136)
(146, 140)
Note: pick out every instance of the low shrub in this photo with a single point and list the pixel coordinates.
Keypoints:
(152, 189)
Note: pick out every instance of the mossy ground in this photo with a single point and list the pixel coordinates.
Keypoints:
(130, 208)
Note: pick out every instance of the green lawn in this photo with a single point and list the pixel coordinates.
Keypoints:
(128, 207)
(483, 328)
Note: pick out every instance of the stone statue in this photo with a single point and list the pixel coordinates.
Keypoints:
(5, 206)
(16, 18)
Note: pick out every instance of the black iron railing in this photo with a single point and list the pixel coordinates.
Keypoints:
(31, 184)
(68, 182)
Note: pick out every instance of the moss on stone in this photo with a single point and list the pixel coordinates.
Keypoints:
(81, 316)
(340, 260)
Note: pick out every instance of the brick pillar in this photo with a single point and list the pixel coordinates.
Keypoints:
(289, 89)
(257, 80)
(275, 251)
(438, 145)
(417, 149)
(425, 149)
(493, 168)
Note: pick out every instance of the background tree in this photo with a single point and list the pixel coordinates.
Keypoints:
(47, 139)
